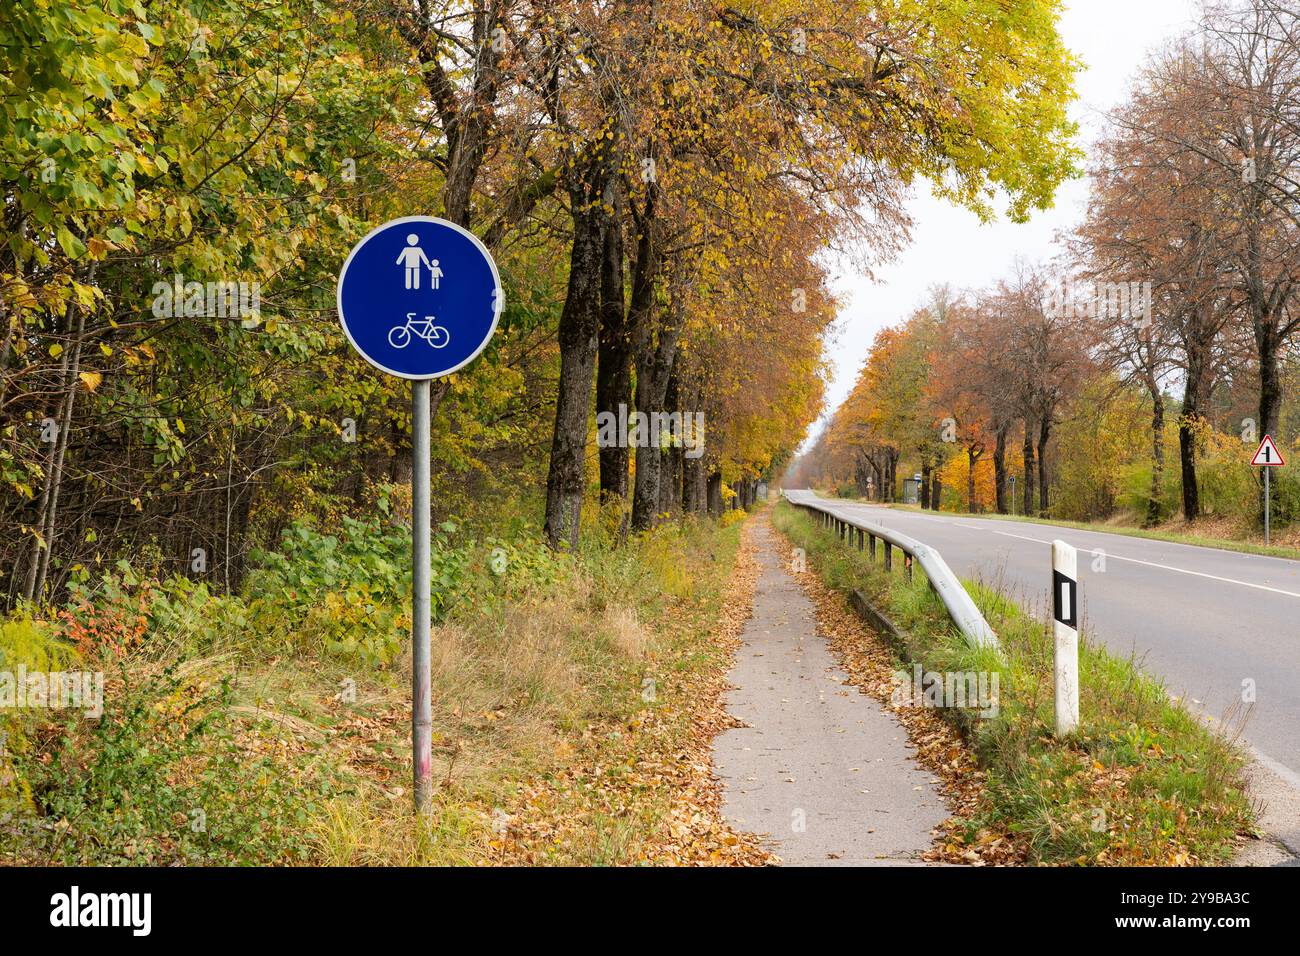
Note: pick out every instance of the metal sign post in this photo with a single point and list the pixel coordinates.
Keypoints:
(1267, 457)
(421, 598)
(420, 326)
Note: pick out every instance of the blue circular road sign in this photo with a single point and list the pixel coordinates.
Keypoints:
(419, 297)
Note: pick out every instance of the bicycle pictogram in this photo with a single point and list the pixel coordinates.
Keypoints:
(399, 337)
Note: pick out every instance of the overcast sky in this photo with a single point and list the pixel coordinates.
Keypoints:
(950, 245)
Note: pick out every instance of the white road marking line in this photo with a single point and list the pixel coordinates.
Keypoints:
(1008, 534)
(1166, 567)
(1118, 557)
(1201, 548)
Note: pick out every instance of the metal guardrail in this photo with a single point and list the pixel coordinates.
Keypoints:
(960, 607)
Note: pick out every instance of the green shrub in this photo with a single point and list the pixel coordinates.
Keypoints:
(160, 779)
(123, 607)
(34, 644)
(1135, 489)
(349, 592)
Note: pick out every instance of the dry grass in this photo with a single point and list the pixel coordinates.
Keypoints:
(574, 705)
(546, 749)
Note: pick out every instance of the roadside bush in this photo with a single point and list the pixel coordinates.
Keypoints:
(1096, 451)
(347, 592)
(35, 645)
(159, 779)
(124, 609)
(225, 738)
(109, 617)
(1230, 486)
(1135, 488)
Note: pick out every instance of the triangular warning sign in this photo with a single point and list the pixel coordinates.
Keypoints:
(1268, 455)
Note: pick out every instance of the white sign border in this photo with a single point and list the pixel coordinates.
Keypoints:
(499, 295)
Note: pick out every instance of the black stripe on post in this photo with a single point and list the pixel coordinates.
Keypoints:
(1065, 599)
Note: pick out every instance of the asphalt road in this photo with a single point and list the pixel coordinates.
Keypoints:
(1203, 619)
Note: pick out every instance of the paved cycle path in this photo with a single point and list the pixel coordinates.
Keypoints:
(819, 767)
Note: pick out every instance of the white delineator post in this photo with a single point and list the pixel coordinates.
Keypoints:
(1065, 628)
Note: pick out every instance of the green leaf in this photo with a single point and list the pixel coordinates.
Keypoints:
(71, 245)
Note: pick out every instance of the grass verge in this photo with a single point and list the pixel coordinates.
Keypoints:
(574, 701)
(1142, 782)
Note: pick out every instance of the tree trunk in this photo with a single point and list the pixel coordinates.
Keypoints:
(670, 465)
(1000, 469)
(861, 477)
(974, 458)
(467, 133)
(694, 471)
(614, 363)
(1044, 432)
(578, 333)
(694, 485)
(1028, 452)
(924, 491)
(670, 481)
(11, 324)
(1270, 384)
(654, 368)
(936, 490)
(1187, 422)
(713, 493)
(1157, 457)
(11, 319)
(39, 568)
(47, 466)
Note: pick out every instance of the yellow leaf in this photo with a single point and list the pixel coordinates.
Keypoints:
(91, 380)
